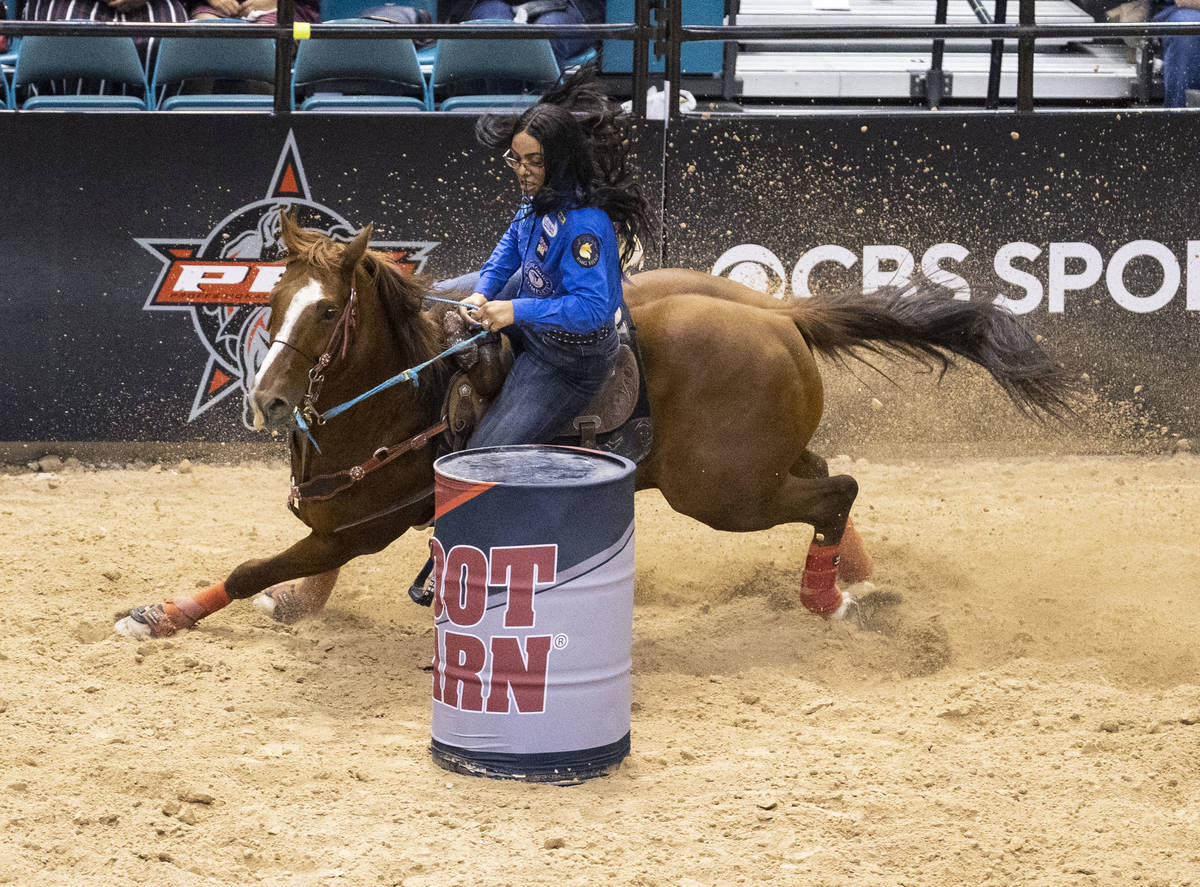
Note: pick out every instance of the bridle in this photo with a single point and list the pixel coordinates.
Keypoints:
(326, 486)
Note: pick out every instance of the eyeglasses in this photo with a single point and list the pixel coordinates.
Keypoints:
(514, 161)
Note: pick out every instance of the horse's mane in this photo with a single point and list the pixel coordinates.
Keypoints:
(416, 336)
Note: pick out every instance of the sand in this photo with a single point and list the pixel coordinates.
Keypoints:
(1029, 714)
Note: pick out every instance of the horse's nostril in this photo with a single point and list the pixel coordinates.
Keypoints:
(277, 408)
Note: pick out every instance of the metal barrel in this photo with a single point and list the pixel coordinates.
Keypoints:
(533, 606)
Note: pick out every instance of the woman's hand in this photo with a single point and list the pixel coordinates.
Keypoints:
(227, 8)
(249, 7)
(490, 315)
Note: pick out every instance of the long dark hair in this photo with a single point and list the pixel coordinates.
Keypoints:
(585, 142)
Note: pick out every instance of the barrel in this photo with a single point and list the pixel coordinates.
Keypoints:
(533, 609)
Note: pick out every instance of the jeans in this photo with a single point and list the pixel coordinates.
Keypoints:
(564, 47)
(549, 384)
(1181, 58)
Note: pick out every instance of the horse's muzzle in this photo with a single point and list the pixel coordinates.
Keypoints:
(270, 411)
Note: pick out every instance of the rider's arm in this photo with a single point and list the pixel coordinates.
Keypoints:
(504, 260)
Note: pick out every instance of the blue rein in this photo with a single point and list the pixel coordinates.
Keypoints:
(409, 375)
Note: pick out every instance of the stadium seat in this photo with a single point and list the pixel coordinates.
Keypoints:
(182, 59)
(46, 59)
(334, 10)
(358, 75)
(529, 62)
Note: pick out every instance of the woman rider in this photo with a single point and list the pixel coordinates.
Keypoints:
(553, 282)
(579, 201)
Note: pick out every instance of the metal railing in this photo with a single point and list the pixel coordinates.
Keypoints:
(666, 31)
(286, 35)
(1026, 33)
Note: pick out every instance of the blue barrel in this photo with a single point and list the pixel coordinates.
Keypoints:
(533, 605)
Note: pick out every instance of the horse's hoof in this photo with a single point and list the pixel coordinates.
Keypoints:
(876, 610)
(129, 627)
(284, 603)
(153, 621)
(265, 603)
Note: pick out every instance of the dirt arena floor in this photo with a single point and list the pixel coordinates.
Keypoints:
(1030, 714)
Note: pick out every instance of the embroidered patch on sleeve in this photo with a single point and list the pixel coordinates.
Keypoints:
(586, 250)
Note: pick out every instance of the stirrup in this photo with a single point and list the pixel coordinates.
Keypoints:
(422, 594)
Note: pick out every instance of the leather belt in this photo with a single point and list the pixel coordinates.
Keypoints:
(589, 338)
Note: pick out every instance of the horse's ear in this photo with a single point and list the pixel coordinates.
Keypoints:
(289, 229)
(353, 252)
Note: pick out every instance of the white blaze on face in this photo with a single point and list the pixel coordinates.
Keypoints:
(307, 296)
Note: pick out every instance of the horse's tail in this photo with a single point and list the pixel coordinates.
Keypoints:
(923, 321)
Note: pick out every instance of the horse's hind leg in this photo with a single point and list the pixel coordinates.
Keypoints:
(808, 495)
(290, 602)
(855, 564)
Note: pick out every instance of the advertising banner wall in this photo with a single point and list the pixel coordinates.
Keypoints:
(139, 249)
(1075, 222)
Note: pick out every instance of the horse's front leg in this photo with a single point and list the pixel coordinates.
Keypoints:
(316, 557)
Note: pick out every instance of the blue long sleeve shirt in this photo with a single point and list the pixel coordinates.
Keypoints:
(570, 269)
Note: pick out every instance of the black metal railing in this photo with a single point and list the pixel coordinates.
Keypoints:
(1026, 33)
(285, 35)
(664, 30)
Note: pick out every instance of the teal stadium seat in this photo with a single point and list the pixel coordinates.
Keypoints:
(334, 10)
(527, 61)
(697, 58)
(183, 59)
(46, 59)
(358, 75)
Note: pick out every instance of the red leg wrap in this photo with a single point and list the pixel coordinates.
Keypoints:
(185, 612)
(818, 589)
(172, 616)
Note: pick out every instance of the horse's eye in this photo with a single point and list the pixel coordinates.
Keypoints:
(330, 313)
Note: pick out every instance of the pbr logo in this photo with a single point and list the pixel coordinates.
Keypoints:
(224, 280)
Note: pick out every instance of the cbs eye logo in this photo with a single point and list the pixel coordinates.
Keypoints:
(754, 266)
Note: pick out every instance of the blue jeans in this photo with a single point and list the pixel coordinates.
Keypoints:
(1181, 58)
(564, 47)
(549, 384)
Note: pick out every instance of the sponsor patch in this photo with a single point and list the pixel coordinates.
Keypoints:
(586, 250)
(543, 245)
(538, 280)
(549, 225)
(562, 217)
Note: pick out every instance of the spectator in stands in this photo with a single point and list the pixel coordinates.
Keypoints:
(161, 11)
(1181, 54)
(539, 12)
(258, 11)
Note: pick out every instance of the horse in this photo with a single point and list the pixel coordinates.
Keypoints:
(731, 375)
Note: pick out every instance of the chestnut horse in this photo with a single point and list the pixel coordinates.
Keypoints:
(733, 385)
